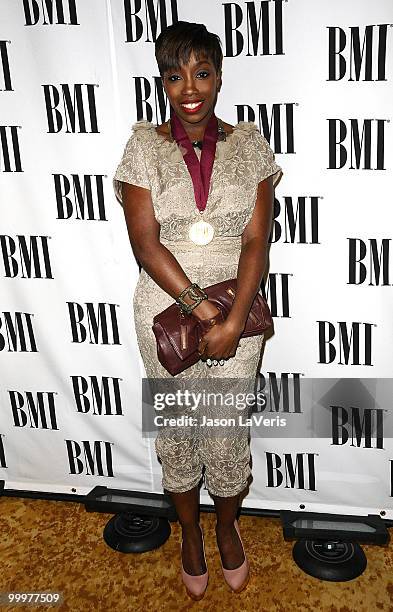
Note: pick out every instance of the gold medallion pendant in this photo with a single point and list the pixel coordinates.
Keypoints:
(201, 232)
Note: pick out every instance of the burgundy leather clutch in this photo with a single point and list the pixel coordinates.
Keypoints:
(178, 334)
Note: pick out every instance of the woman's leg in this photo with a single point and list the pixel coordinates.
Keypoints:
(182, 469)
(228, 541)
(225, 452)
(228, 469)
(187, 508)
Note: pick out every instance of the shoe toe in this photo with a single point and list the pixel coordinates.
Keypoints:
(238, 578)
(195, 585)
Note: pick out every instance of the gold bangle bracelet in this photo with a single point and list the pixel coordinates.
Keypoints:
(191, 291)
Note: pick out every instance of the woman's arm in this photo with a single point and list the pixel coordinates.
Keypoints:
(221, 341)
(252, 261)
(161, 265)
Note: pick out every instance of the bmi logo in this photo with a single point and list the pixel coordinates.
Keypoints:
(358, 54)
(358, 427)
(282, 392)
(90, 457)
(26, 256)
(72, 107)
(150, 99)
(357, 144)
(62, 12)
(276, 291)
(94, 323)
(253, 28)
(147, 19)
(80, 197)
(345, 343)
(277, 125)
(291, 471)
(369, 261)
(296, 223)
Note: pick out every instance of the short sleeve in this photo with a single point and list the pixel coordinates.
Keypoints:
(265, 162)
(132, 167)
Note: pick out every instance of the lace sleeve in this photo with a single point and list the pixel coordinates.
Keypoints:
(266, 164)
(132, 167)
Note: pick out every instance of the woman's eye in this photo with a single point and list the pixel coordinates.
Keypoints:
(174, 77)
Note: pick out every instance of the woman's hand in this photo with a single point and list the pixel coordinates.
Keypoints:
(220, 341)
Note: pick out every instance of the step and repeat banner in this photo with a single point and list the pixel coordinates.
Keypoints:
(316, 78)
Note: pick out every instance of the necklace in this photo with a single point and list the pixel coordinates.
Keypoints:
(222, 135)
(200, 232)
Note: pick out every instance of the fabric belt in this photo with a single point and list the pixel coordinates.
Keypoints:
(220, 244)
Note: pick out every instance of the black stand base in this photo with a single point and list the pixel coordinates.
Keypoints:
(336, 561)
(136, 533)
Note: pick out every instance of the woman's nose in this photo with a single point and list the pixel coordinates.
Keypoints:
(189, 85)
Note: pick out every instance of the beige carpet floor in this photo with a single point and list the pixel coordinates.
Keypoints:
(58, 546)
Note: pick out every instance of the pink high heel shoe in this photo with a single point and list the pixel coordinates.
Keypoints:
(237, 578)
(195, 585)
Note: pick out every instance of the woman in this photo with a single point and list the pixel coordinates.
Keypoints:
(163, 201)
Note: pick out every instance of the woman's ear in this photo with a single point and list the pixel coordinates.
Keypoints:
(219, 80)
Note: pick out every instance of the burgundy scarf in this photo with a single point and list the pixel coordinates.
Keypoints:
(200, 171)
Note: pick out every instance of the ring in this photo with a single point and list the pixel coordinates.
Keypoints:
(210, 362)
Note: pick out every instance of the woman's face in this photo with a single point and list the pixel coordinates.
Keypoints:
(192, 89)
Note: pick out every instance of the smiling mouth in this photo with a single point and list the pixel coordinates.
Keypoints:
(192, 105)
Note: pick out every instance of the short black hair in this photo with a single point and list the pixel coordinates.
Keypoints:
(175, 44)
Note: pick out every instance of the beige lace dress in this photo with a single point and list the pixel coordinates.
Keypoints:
(241, 162)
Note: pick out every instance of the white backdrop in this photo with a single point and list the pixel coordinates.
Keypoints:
(317, 79)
